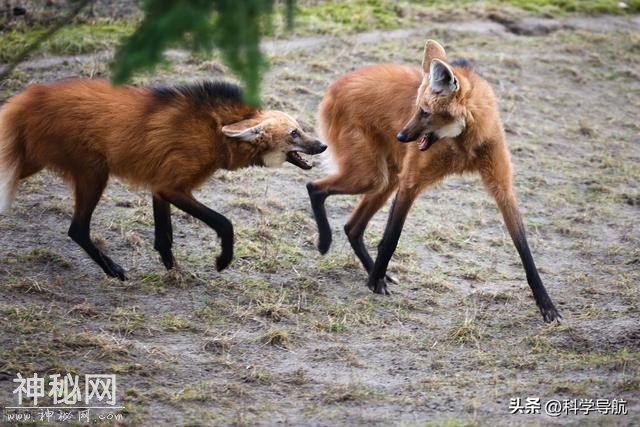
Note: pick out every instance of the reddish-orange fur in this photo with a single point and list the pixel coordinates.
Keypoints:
(360, 116)
(123, 130)
(164, 140)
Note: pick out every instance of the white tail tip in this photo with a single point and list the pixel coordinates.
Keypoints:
(8, 184)
(327, 163)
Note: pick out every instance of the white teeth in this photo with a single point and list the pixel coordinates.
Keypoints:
(297, 157)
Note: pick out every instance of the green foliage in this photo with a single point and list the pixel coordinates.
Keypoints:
(576, 6)
(236, 26)
(554, 7)
(233, 26)
(354, 15)
(70, 40)
(165, 22)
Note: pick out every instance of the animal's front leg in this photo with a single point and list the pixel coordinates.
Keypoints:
(511, 215)
(401, 206)
(222, 226)
(497, 180)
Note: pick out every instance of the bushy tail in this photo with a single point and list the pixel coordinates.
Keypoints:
(10, 163)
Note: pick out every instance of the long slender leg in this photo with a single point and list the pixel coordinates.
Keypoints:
(417, 174)
(317, 198)
(500, 189)
(163, 231)
(399, 210)
(213, 219)
(512, 219)
(88, 190)
(319, 191)
(355, 227)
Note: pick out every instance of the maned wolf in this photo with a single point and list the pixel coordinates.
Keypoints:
(452, 114)
(167, 140)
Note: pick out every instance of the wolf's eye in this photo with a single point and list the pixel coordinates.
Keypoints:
(294, 133)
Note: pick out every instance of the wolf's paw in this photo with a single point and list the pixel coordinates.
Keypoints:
(114, 270)
(550, 314)
(168, 260)
(324, 242)
(223, 261)
(379, 286)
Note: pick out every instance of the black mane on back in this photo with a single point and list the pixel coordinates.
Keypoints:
(462, 63)
(209, 93)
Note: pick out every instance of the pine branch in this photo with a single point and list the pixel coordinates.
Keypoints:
(233, 26)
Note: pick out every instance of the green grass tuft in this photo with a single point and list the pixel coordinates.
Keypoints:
(71, 40)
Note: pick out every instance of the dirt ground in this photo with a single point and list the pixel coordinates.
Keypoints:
(287, 336)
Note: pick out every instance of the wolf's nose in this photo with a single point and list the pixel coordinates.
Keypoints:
(318, 148)
(401, 136)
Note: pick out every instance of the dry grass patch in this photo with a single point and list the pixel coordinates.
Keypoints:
(277, 338)
(353, 392)
(174, 323)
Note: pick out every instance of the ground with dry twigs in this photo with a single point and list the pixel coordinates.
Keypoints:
(287, 335)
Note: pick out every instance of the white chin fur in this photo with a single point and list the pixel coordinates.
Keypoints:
(452, 130)
(274, 159)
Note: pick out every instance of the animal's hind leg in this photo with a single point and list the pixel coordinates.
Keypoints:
(321, 189)
(355, 227)
(88, 190)
(163, 231)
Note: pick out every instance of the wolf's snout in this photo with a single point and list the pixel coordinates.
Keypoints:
(317, 148)
(402, 136)
(321, 148)
(310, 147)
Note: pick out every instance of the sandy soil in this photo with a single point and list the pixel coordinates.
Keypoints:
(288, 336)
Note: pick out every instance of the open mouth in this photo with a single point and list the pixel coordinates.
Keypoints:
(427, 140)
(295, 159)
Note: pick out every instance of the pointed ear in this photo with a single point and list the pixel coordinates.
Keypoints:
(244, 130)
(441, 78)
(432, 50)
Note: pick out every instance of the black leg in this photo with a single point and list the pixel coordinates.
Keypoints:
(213, 219)
(79, 232)
(369, 204)
(508, 205)
(356, 240)
(399, 210)
(543, 301)
(163, 231)
(317, 198)
(88, 190)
